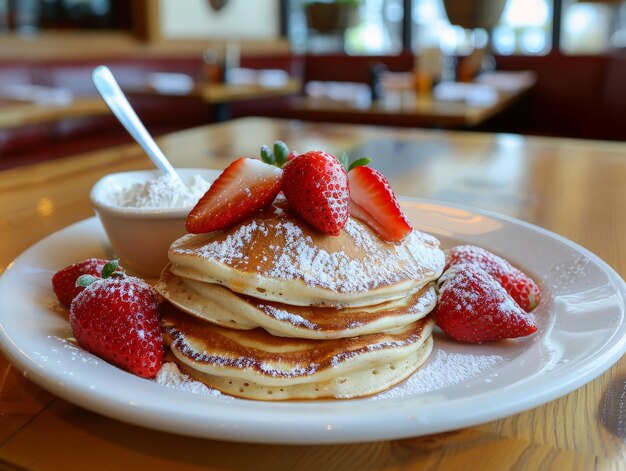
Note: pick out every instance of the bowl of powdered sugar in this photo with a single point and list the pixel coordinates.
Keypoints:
(144, 211)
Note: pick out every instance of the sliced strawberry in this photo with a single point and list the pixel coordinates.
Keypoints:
(473, 307)
(64, 281)
(245, 187)
(117, 319)
(372, 200)
(520, 286)
(316, 187)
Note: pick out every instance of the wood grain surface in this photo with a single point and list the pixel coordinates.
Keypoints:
(13, 115)
(575, 188)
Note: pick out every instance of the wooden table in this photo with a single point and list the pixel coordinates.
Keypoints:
(221, 95)
(15, 114)
(575, 188)
(405, 107)
(228, 93)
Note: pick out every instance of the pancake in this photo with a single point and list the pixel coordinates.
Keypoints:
(358, 384)
(221, 306)
(277, 257)
(276, 368)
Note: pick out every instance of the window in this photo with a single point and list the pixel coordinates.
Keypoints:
(30, 16)
(378, 30)
(525, 27)
(590, 27)
(358, 27)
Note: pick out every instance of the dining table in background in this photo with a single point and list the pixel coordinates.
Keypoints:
(14, 113)
(220, 95)
(572, 187)
(449, 105)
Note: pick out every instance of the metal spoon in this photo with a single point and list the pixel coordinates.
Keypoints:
(112, 94)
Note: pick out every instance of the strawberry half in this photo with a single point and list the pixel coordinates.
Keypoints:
(520, 286)
(245, 187)
(372, 200)
(473, 307)
(64, 281)
(116, 319)
(316, 187)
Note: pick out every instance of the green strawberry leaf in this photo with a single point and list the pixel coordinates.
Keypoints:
(86, 280)
(343, 160)
(281, 152)
(110, 268)
(266, 155)
(359, 163)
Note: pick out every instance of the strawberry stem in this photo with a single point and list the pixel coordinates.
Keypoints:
(281, 152)
(359, 163)
(266, 155)
(343, 160)
(111, 268)
(86, 280)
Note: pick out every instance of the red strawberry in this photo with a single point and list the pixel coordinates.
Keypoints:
(117, 319)
(372, 200)
(245, 187)
(64, 281)
(316, 187)
(473, 307)
(519, 285)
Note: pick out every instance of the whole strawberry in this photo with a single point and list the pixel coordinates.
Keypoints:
(520, 286)
(116, 318)
(473, 307)
(64, 281)
(316, 187)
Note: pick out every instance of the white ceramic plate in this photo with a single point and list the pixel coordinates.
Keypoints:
(581, 334)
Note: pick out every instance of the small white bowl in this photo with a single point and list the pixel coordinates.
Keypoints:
(141, 236)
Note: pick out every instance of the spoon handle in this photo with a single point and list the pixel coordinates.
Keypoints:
(111, 93)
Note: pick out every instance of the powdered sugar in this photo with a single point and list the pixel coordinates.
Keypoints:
(69, 349)
(282, 315)
(387, 344)
(444, 370)
(292, 372)
(468, 289)
(127, 289)
(232, 249)
(302, 259)
(341, 357)
(491, 263)
(424, 302)
(427, 299)
(163, 192)
(564, 275)
(298, 256)
(170, 375)
(181, 344)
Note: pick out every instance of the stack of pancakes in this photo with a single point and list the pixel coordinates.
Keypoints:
(272, 309)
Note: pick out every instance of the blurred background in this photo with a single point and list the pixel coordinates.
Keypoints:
(536, 67)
